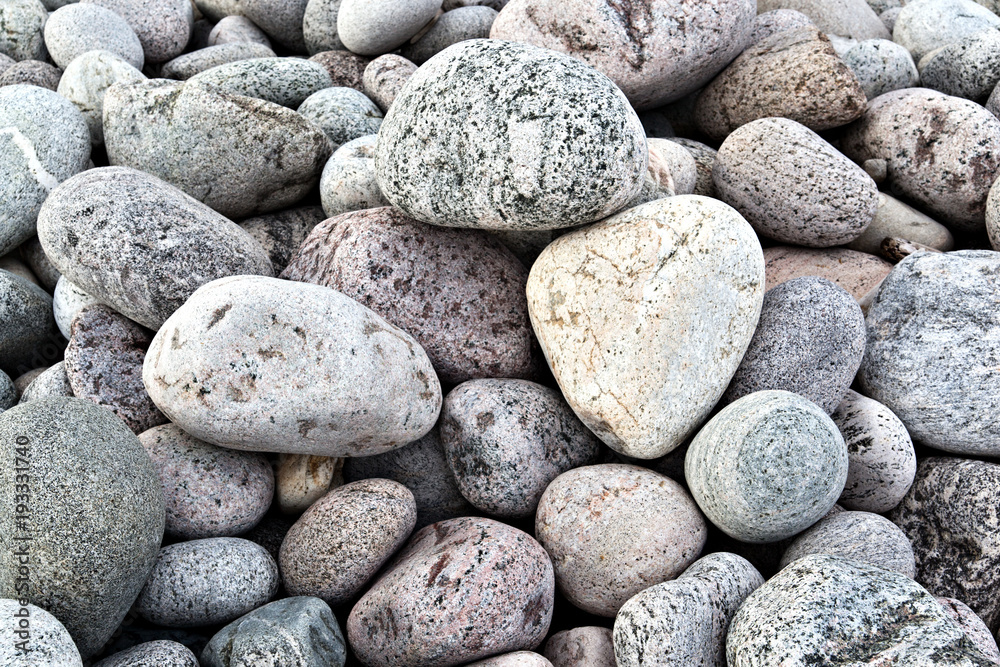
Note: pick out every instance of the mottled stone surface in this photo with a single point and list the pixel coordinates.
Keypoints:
(767, 466)
(345, 537)
(829, 610)
(28, 324)
(613, 530)
(704, 158)
(284, 81)
(683, 623)
(608, 302)
(968, 68)
(295, 631)
(209, 491)
(859, 536)
(139, 244)
(384, 77)
(203, 582)
(348, 182)
(86, 566)
(458, 292)
(672, 171)
(302, 479)
(87, 78)
(972, 625)
(34, 256)
(345, 68)
(33, 73)
(8, 392)
(333, 377)
(21, 24)
(853, 19)
(52, 382)
(942, 152)
(856, 272)
(12, 263)
(507, 439)
(319, 26)
(993, 216)
(895, 219)
(185, 66)
(516, 659)
(239, 155)
(159, 653)
(46, 641)
(933, 352)
(281, 233)
(78, 28)
(795, 74)
(343, 113)
(588, 646)
(163, 27)
(925, 25)
(451, 27)
(499, 135)
(374, 27)
(881, 66)
(769, 22)
(237, 29)
(280, 19)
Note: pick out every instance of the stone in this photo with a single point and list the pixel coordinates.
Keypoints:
(237, 349)
(613, 530)
(656, 52)
(43, 140)
(280, 19)
(26, 311)
(33, 73)
(793, 186)
(51, 382)
(281, 233)
(881, 460)
(252, 156)
(374, 27)
(767, 466)
(588, 646)
(75, 29)
(434, 591)
(882, 66)
(449, 5)
(894, 219)
(163, 27)
(216, 10)
(293, 631)
(972, 625)
(993, 216)
(773, 21)
(684, 622)
(925, 25)
(161, 653)
(34, 256)
(704, 158)
(48, 642)
(160, 641)
(794, 74)
(344, 114)
(966, 68)
(284, 81)
(459, 293)
(200, 30)
(87, 78)
(237, 29)
(209, 491)
(859, 536)
(209, 581)
(6, 62)
(672, 171)
(829, 610)
(890, 16)
(185, 66)
(933, 347)
(301, 480)
(139, 244)
(451, 27)
(853, 19)
(342, 540)
(506, 440)
(87, 566)
(21, 24)
(346, 69)
(856, 272)
(319, 26)
(466, 143)
(104, 365)
(12, 264)
(810, 340)
(516, 659)
(8, 392)
(607, 303)
(348, 182)
(384, 77)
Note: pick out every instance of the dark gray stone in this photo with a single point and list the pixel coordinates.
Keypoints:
(284, 81)
(281, 233)
(860, 536)
(968, 68)
(343, 113)
(29, 328)
(40, 265)
(159, 653)
(32, 73)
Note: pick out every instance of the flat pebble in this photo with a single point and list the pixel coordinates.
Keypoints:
(52, 382)
(348, 182)
(895, 219)
(160, 653)
(21, 24)
(46, 641)
(346, 69)
(163, 27)
(284, 81)
(343, 113)
(185, 66)
(280, 19)
(33, 73)
(588, 646)
(75, 29)
(87, 78)
(882, 66)
(384, 78)
(281, 233)
(374, 27)
(857, 272)
(319, 26)
(516, 659)
(972, 625)
(925, 25)
(860, 536)
(26, 311)
(451, 27)
(237, 29)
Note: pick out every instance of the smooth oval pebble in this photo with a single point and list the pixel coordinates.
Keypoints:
(516, 659)
(52, 382)
(77, 28)
(301, 480)
(384, 77)
(894, 219)
(450, 28)
(237, 29)
(374, 27)
(160, 653)
(588, 646)
(47, 642)
(966, 68)
(993, 216)
(860, 536)
(29, 325)
(280, 19)
(857, 272)
(23, 21)
(33, 73)
(163, 27)
(344, 114)
(87, 78)
(348, 182)
(925, 25)
(284, 81)
(882, 66)
(186, 66)
(853, 19)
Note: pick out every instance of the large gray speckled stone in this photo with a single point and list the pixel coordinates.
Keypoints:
(75, 29)
(43, 141)
(384, 77)
(159, 653)
(507, 439)
(832, 611)
(810, 340)
(86, 566)
(28, 324)
(186, 66)
(163, 27)
(332, 377)
(374, 27)
(451, 27)
(793, 186)
(239, 155)
(21, 24)
(968, 68)
(344, 114)
(589, 646)
(43, 640)
(656, 51)
(895, 219)
(499, 135)
(319, 26)
(139, 244)
(280, 19)
(284, 81)
(348, 182)
(87, 78)
(237, 29)
(933, 351)
(860, 536)
(683, 623)
(608, 302)
(281, 233)
(767, 466)
(293, 632)
(51, 382)
(881, 66)
(203, 582)
(925, 25)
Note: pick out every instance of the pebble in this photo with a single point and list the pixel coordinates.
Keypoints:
(993, 216)
(216, 10)
(237, 29)
(857, 272)
(451, 27)
(319, 26)
(506, 440)
(438, 167)
(6, 62)
(209, 581)
(87, 566)
(50, 383)
(12, 264)
(882, 66)
(209, 491)
(588, 646)
(516, 659)
(374, 27)
(280, 19)
(236, 350)
(342, 540)
(163, 27)
(160, 653)
(284, 81)
(770, 22)
(281, 233)
(859, 536)
(301, 480)
(47, 641)
(8, 392)
(26, 311)
(608, 302)
(346, 69)
(384, 77)
(793, 186)
(293, 631)
(704, 159)
(344, 114)
(186, 66)
(348, 182)
(767, 467)
(449, 5)
(431, 602)
(33, 73)
(674, 161)
(87, 78)
(890, 16)
(683, 622)
(881, 460)
(33, 255)
(139, 244)
(925, 25)
(613, 530)
(972, 625)
(853, 19)
(458, 292)
(77, 28)
(21, 24)
(810, 340)
(966, 68)
(895, 219)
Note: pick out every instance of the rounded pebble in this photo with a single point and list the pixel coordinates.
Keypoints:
(163, 27)
(47, 642)
(374, 27)
(29, 326)
(581, 647)
(860, 536)
(516, 659)
(160, 653)
(345, 68)
(33, 73)
(87, 78)
(882, 66)
(284, 81)
(857, 272)
(237, 29)
(186, 66)
(925, 25)
(384, 77)
(21, 24)
(451, 27)
(281, 233)
(343, 113)
(894, 219)
(52, 382)
(75, 29)
(348, 182)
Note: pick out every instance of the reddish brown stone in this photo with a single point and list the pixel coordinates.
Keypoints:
(345, 68)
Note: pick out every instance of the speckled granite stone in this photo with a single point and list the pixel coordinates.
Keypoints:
(46, 641)
(967, 68)
(499, 135)
(588, 646)
(345, 68)
(163, 27)
(78, 28)
(139, 244)
(344, 114)
(683, 623)
(451, 27)
(859, 536)
(237, 350)
(32, 73)
(993, 216)
(51, 382)
(43, 268)
(160, 653)
(293, 632)
(21, 24)
(237, 29)
(882, 66)
(829, 610)
(185, 66)
(87, 78)
(613, 530)
(704, 158)
(853, 19)
(895, 219)
(280, 19)
(507, 439)
(28, 324)
(608, 302)
(284, 81)
(374, 27)
(203, 582)
(972, 625)
(770, 22)
(384, 77)
(86, 566)
(209, 491)
(302, 479)
(319, 26)
(8, 392)
(516, 659)
(925, 25)
(281, 233)
(767, 466)
(458, 292)
(348, 182)
(856, 272)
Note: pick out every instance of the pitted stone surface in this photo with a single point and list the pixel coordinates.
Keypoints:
(284, 81)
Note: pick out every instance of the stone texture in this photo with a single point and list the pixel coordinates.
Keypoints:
(284, 81)
(853, 19)
(613, 530)
(44, 642)
(53, 382)
(856, 272)
(348, 182)
(281, 233)
(280, 19)
(859, 536)
(8, 392)
(672, 171)
(87, 78)
(925, 25)
(704, 158)
(516, 659)
(333, 377)
(161, 653)
(163, 27)
(344, 114)
(34, 256)
(301, 480)
(383, 79)
(894, 219)
(185, 66)
(993, 216)
(607, 303)
(319, 26)
(467, 143)
(581, 647)
(967, 68)
(773, 21)
(345, 68)
(33, 73)
(21, 24)
(972, 625)
(22, 381)
(12, 263)
(374, 27)
(450, 28)
(237, 29)
(75, 29)
(29, 327)
(882, 66)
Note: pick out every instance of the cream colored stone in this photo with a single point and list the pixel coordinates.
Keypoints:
(302, 479)
(895, 219)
